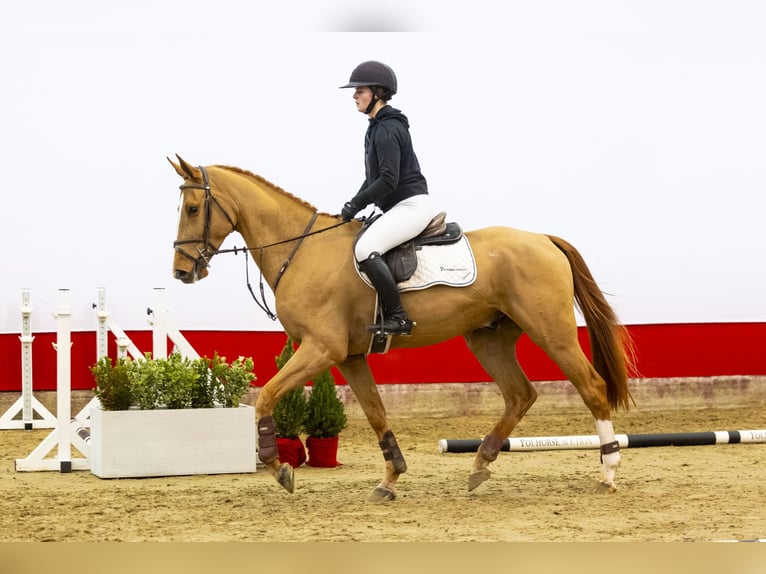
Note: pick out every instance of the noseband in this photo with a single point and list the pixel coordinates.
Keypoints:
(208, 249)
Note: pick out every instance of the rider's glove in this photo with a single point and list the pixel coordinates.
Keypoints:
(348, 212)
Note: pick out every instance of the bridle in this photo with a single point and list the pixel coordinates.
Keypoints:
(208, 249)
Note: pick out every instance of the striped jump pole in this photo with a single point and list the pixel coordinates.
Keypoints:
(582, 442)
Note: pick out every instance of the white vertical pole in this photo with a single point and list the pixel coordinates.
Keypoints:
(105, 324)
(122, 347)
(159, 330)
(64, 380)
(26, 405)
(26, 360)
(102, 332)
(163, 329)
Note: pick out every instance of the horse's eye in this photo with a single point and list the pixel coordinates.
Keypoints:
(193, 209)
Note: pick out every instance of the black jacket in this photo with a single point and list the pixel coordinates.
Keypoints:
(391, 167)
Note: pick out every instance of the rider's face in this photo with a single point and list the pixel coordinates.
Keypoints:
(362, 97)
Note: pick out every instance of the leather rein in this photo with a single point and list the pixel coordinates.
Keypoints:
(209, 250)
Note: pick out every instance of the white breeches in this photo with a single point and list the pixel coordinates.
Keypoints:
(399, 224)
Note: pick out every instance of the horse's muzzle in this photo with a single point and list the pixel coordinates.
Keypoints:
(184, 276)
(190, 275)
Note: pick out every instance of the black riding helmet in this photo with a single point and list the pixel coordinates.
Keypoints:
(373, 73)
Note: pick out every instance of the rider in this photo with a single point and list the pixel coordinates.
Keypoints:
(393, 182)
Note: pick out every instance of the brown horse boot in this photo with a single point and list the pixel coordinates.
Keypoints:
(392, 452)
(395, 320)
(267, 440)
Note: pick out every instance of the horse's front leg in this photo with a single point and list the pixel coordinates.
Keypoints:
(357, 373)
(307, 361)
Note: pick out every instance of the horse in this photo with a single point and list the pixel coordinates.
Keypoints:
(525, 283)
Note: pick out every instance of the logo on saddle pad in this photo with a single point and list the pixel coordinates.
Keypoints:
(442, 259)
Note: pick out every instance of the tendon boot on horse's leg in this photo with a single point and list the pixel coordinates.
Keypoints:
(267, 452)
(394, 458)
(488, 451)
(610, 456)
(395, 321)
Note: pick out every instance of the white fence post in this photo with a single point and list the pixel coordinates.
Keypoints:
(159, 334)
(64, 379)
(61, 436)
(26, 404)
(102, 335)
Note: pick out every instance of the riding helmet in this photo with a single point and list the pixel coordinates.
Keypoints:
(373, 73)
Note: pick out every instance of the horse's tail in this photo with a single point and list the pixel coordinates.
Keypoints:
(611, 345)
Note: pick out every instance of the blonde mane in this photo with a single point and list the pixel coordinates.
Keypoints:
(265, 181)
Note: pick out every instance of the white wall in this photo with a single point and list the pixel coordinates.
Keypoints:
(634, 130)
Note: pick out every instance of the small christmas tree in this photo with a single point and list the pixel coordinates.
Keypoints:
(325, 416)
(290, 412)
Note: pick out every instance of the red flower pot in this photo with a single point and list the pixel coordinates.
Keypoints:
(291, 450)
(323, 452)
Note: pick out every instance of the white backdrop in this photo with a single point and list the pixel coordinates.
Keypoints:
(634, 130)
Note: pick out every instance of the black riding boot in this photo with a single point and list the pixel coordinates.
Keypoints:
(395, 321)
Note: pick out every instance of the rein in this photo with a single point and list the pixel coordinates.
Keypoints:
(298, 238)
(210, 250)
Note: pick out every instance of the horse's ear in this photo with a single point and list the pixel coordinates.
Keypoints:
(183, 169)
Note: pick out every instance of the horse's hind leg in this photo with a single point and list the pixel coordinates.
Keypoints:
(496, 351)
(357, 373)
(566, 352)
(592, 388)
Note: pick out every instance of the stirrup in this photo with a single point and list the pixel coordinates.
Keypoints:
(399, 327)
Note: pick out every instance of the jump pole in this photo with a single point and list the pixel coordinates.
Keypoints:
(63, 435)
(582, 442)
(27, 404)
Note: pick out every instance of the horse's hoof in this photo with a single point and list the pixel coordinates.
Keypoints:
(477, 478)
(605, 487)
(382, 494)
(286, 477)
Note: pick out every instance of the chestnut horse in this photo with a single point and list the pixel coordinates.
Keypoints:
(525, 283)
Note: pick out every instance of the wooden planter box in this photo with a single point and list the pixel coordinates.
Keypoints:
(170, 442)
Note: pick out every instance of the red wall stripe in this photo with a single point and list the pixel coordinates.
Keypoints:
(671, 350)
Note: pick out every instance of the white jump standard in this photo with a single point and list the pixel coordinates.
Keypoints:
(62, 436)
(27, 404)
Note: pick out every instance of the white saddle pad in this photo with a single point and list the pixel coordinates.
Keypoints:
(451, 265)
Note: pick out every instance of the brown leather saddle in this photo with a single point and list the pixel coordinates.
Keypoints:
(403, 259)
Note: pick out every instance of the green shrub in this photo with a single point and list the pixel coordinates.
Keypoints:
(231, 380)
(114, 383)
(203, 392)
(146, 384)
(290, 412)
(177, 382)
(173, 383)
(325, 415)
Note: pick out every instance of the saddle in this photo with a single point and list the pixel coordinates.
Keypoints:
(403, 259)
